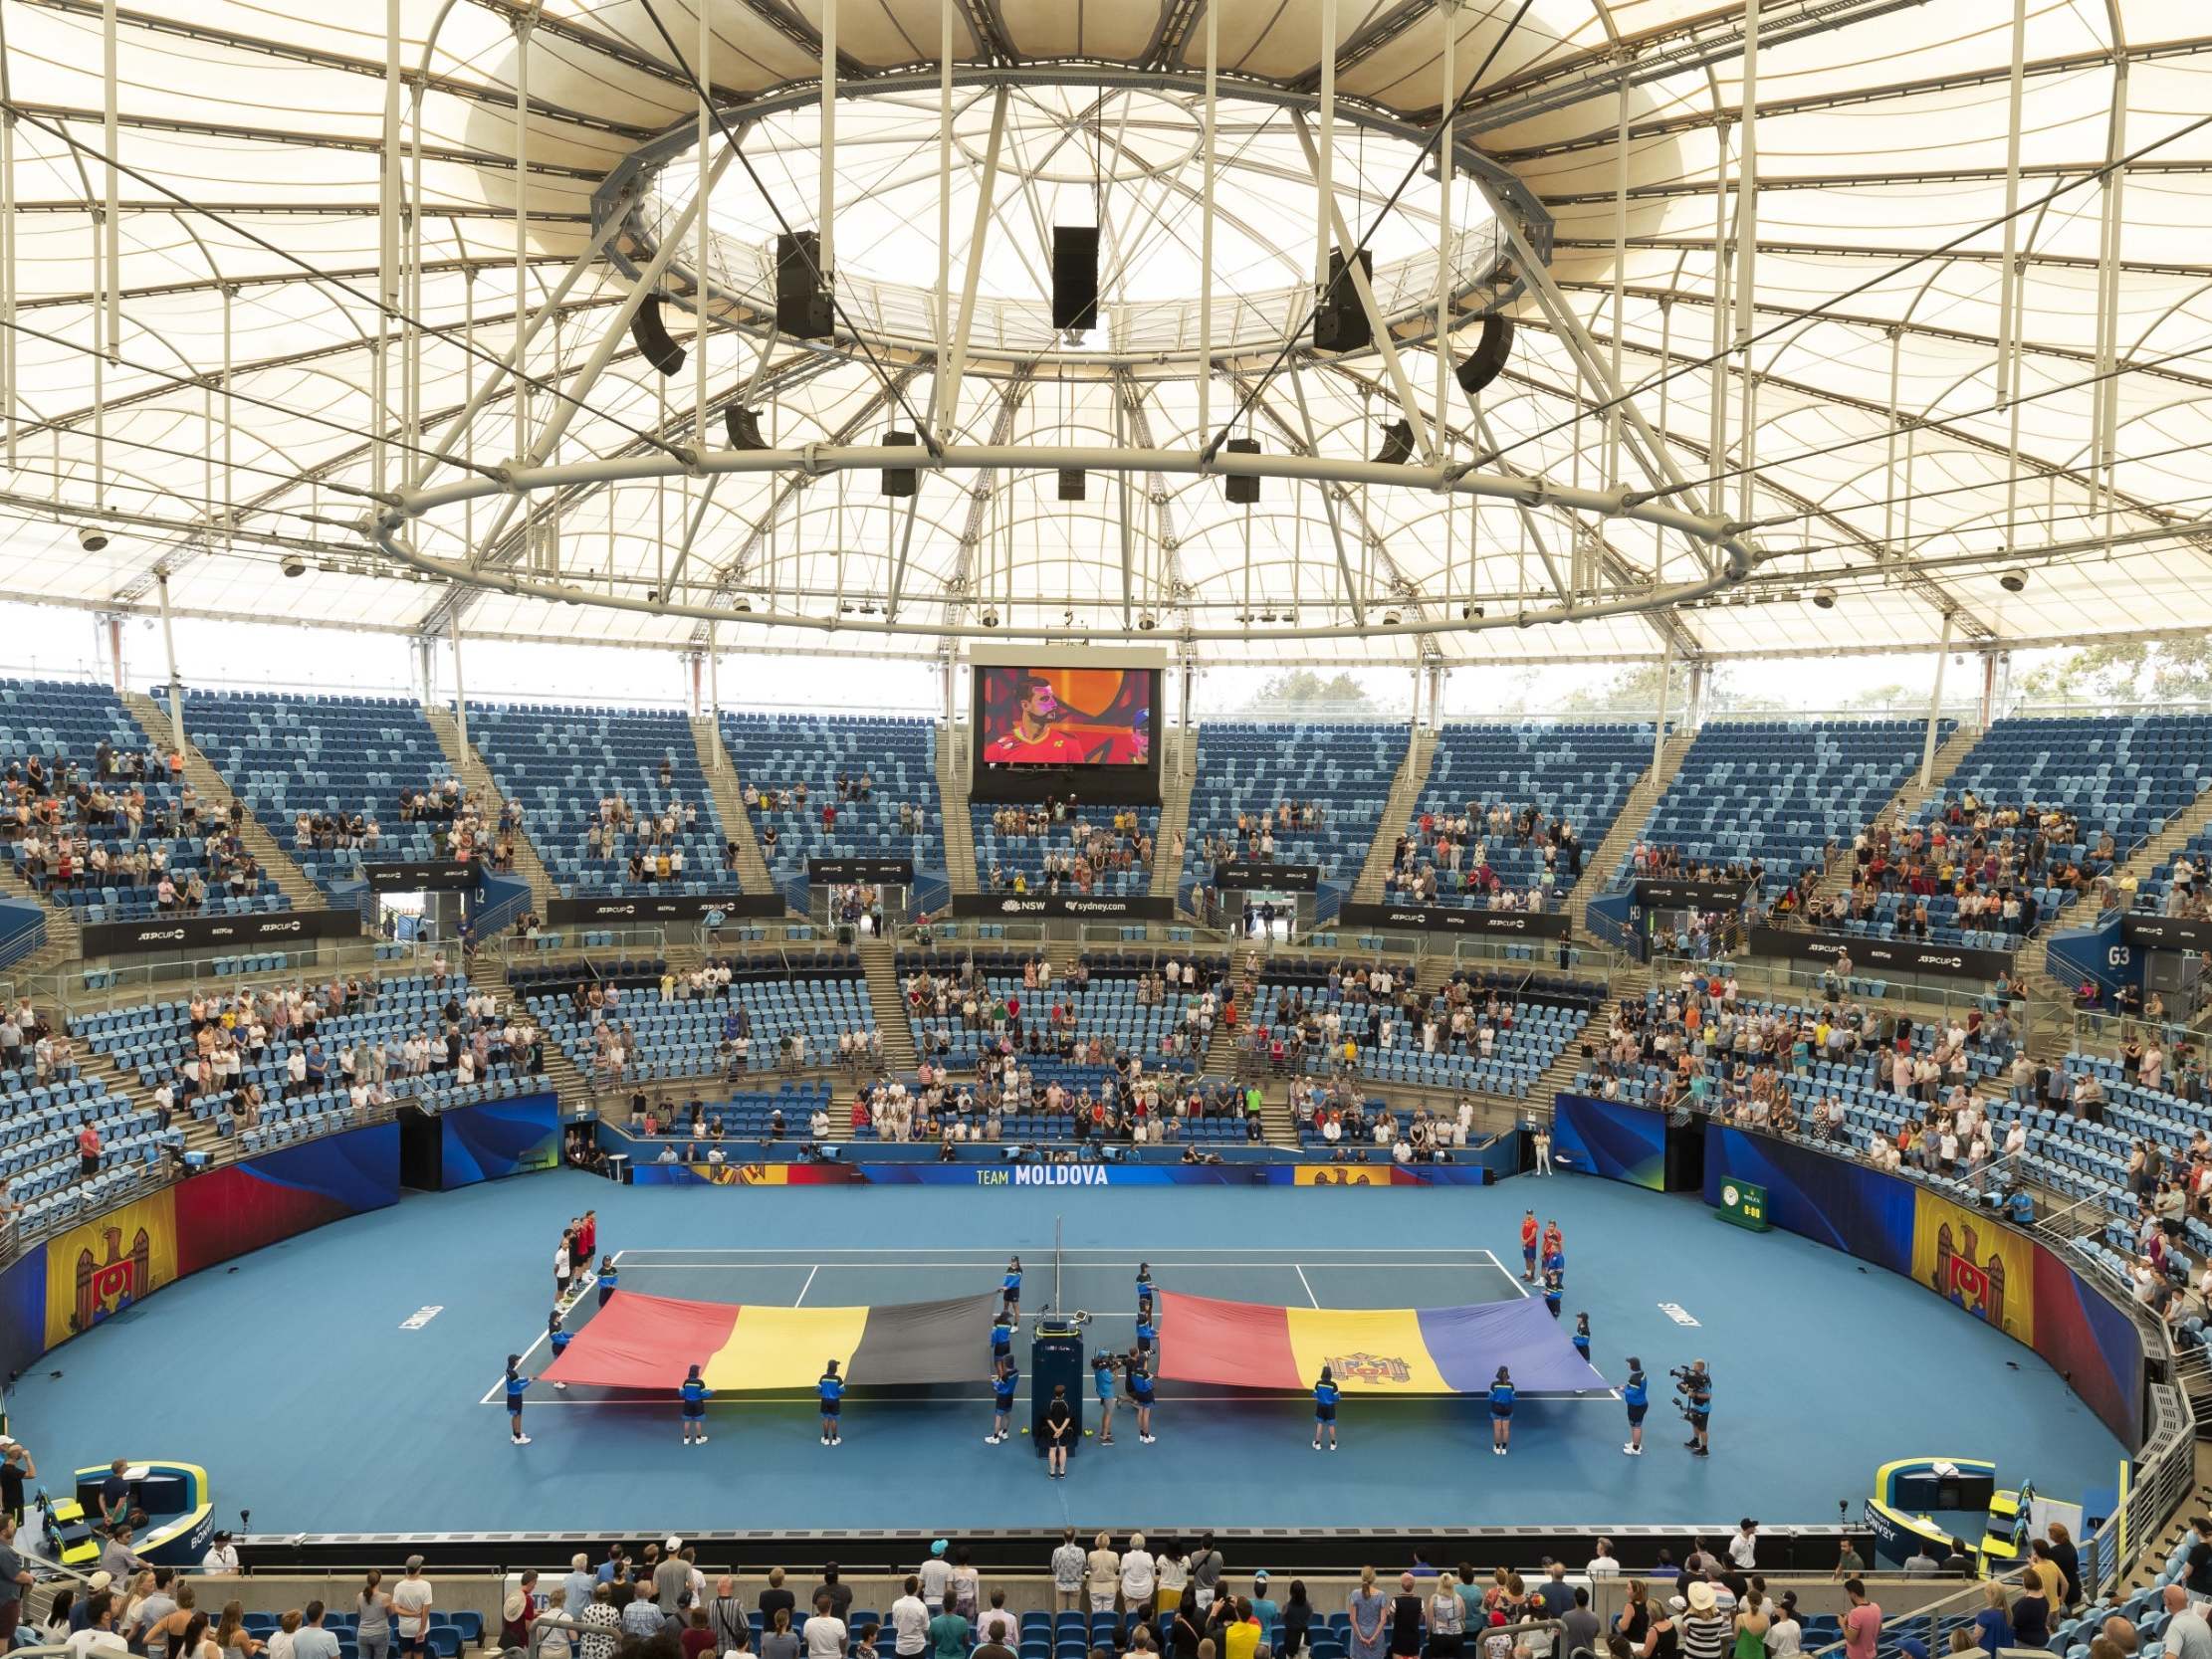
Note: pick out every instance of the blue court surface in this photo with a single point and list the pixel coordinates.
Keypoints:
(346, 1381)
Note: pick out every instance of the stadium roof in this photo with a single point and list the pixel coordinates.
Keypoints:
(312, 265)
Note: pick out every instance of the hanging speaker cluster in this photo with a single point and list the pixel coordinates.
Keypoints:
(1487, 360)
(900, 480)
(1244, 491)
(803, 307)
(1397, 443)
(744, 427)
(1340, 321)
(1074, 278)
(1071, 484)
(650, 335)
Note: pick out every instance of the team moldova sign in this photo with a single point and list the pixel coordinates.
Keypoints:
(1745, 1204)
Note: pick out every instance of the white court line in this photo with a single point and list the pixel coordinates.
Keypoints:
(1303, 1280)
(809, 1285)
(498, 1390)
(1593, 1397)
(1512, 1278)
(906, 1264)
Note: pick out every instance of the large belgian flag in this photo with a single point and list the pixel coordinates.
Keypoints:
(652, 1342)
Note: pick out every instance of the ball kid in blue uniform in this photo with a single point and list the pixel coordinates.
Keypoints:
(830, 1390)
(1001, 1337)
(1635, 1394)
(695, 1393)
(1148, 1329)
(1138, 1373)
(557, 1339)
(1011, 1284)
(607, 1279)
(1004, 1380)
(1552, 1294)
(1501, 1411)
(516, 1385)
(1325, 1394)
(1581, 1337)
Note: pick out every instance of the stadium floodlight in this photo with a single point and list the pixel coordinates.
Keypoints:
(292, 566)
(1824, 598)
(2013, 581)
(991, 617)
(90, 537)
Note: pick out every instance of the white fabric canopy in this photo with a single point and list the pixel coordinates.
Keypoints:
(230, 421)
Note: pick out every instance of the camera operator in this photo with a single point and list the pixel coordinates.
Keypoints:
(1695, 1402)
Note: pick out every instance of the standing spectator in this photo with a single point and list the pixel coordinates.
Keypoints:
(997, 1625)
(726, 1616)
(602, 1624)
(311, 1640)
(778, 1641)
(221, 1557)
(909, 1622)
(15, 1578)
(672, 1578)
(1067, 1574)
(935, 1574)
(776, 1598)
(1206, 1572)
(1579, 1627)
(414, 1598)
(372, 1635)
(1405, 1620)
(1105, 1574)
(1242, 1638)
(1446, 1619)
(838, 1591)
(1743, 1549)
(824, 1635)
(1370, 1614)
(949, 1636)
(576, 1588)
(16, 1467)
(1136, 1579)
(1862, 1623)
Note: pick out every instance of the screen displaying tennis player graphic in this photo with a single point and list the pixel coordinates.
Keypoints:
(1067, 717)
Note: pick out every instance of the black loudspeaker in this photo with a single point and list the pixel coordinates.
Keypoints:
(1075, 277)
(899, 480)
(1397, 443)
(803, 307)
(651, 338)
(1487, 360)
(1242, 491)
(744, 427)
(1340, 321)
(1071, 484)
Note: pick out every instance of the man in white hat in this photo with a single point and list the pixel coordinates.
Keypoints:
(221, 1557)
(672, 1578)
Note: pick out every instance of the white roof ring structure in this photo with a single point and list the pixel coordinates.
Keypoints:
(1906, 301)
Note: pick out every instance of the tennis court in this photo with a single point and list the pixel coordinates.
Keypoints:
(1099, 1282)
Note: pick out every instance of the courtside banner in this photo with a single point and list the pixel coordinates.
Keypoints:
(96, 1269)
(1881, 956)
(878, 871)
(190, 932)
(495, 1139)
(1060, 1175)
(1612, 1139)
(669, 907)
(238, 1207)
(1266, 877)
(444, 877)
(1083, 906)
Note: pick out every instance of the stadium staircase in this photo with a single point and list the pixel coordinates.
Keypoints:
(216, 798)
(1600, 862)
(1836, 877)
(2157, 853)
(1220, 1059)
(563, 1075)
(952, 798)
(1398, 812)
(63, 944)
(879, 961)
(476, 779)
(1174, 810)
(729, 799)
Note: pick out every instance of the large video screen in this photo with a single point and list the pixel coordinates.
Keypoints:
(1065, 716)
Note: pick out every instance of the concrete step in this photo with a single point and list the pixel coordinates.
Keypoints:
(476, 777)
(1397, 810)
(879, 960)
(1179, 749)
(960, 832)
(217, 800)
(1602, 863)
(728, 791)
